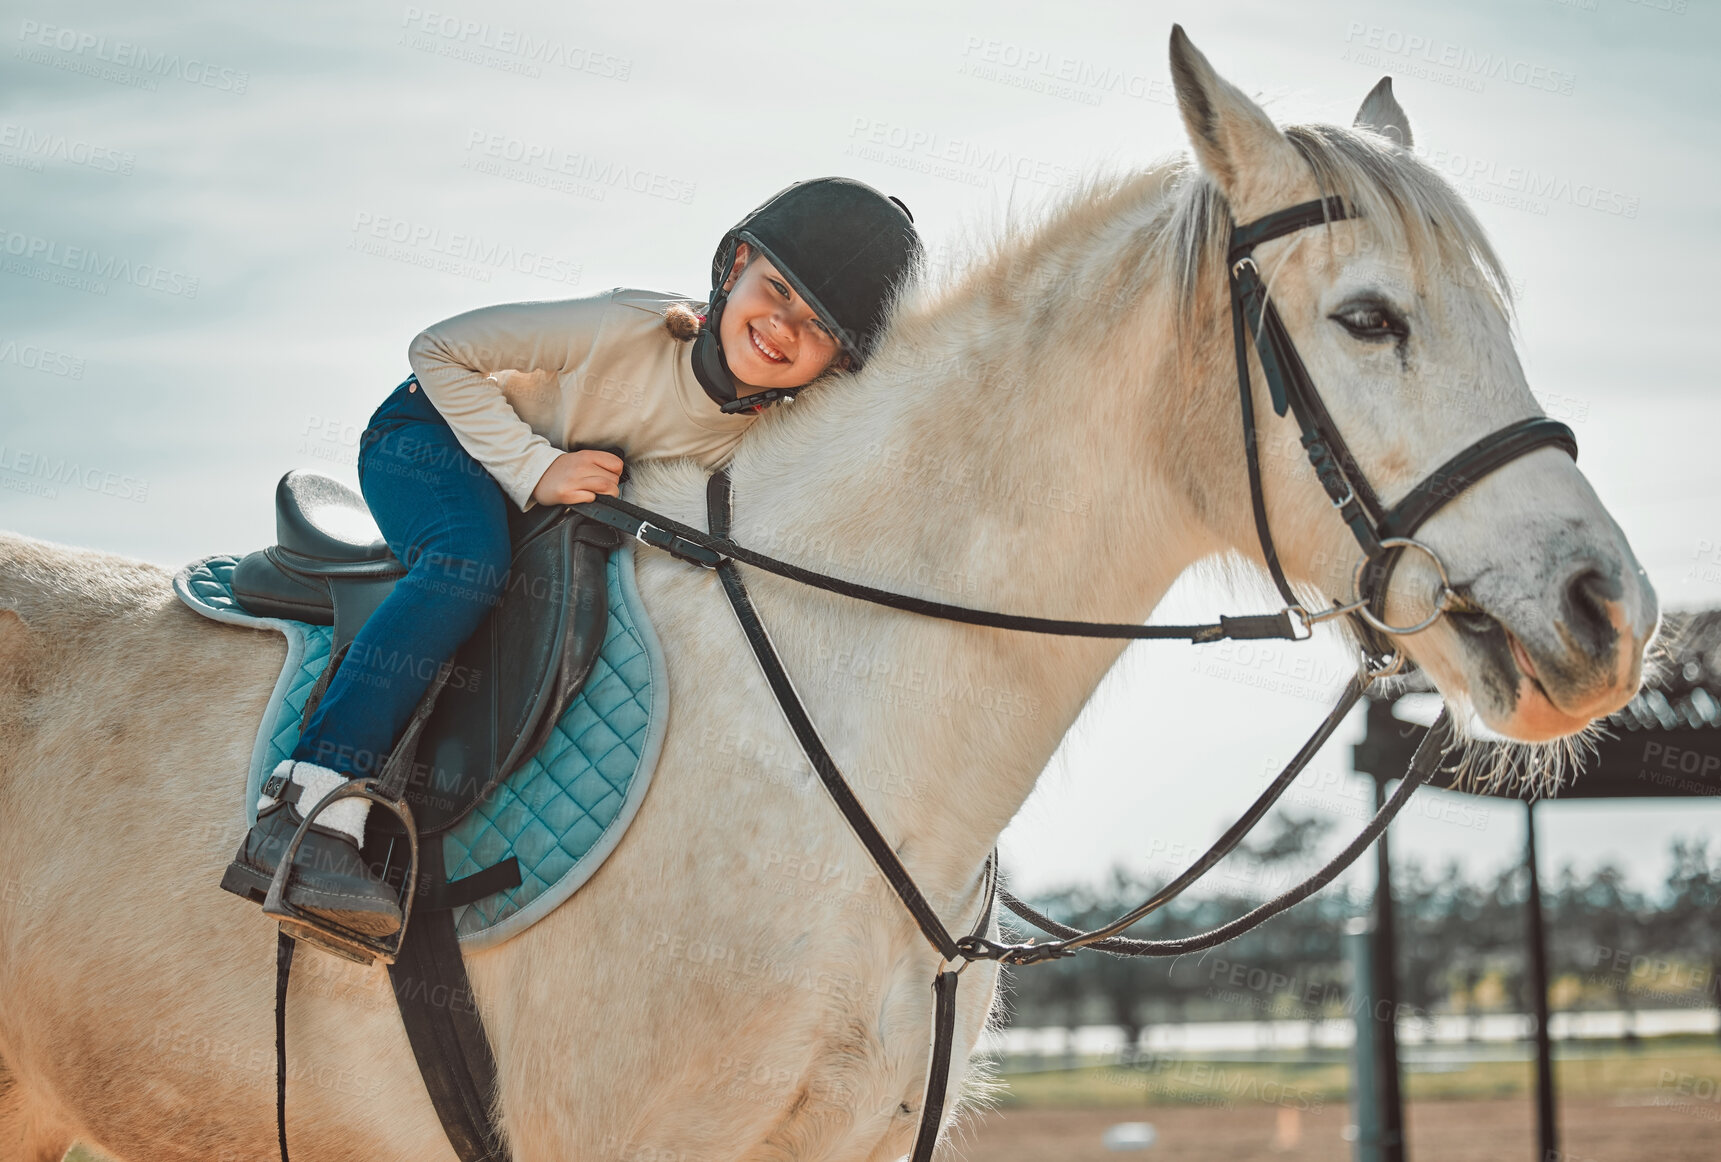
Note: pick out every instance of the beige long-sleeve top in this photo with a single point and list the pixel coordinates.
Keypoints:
(522, 382)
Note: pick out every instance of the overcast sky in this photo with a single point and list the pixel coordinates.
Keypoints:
(221, 224)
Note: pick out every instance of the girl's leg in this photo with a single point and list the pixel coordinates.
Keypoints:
(446, 518)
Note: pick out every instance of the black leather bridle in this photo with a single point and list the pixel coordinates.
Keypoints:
(1384, 534)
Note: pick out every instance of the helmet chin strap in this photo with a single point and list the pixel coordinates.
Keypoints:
(712, 370)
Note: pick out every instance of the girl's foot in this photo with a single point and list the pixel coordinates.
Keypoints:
(330, 879)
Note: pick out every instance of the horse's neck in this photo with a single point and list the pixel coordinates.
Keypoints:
(1051, 481)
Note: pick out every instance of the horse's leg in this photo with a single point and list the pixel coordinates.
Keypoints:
(29, 1132)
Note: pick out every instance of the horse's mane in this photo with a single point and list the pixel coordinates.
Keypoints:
(985, 311)
(1185, 231)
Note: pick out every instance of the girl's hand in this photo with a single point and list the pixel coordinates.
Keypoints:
(576, 477)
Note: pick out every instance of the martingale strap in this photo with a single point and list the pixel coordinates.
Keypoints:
(1226, 843)
(718, 514)
(975, 946)
(1423, 765)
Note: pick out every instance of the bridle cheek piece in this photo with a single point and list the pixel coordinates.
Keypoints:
(1384, 534)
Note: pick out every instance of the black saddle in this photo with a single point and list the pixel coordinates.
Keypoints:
(513, 677)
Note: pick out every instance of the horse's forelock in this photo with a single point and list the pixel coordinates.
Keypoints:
(1411, 209)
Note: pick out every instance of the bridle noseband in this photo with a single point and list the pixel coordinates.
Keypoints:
(1384, 534)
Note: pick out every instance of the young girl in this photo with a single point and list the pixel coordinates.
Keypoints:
(799, 288)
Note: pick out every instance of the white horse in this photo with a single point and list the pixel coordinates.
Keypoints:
(1055, 432)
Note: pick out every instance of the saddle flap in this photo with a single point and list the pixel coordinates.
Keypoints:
(515, 675)
(511, 680)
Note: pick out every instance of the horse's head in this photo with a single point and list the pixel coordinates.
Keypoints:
(1401, 316)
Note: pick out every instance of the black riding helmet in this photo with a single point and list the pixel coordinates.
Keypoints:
(841, 244)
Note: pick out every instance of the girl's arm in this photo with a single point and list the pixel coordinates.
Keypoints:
(456, 359)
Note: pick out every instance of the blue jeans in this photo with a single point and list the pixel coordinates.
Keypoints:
(446, 519)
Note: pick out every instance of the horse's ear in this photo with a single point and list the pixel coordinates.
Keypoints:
(1235, 141)
(1382, 113)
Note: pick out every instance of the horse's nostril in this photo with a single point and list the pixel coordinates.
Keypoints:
(1588, 595)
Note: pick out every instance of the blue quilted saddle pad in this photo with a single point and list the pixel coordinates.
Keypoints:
(560, 814)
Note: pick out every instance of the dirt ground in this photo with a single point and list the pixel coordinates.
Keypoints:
(1442, 1131)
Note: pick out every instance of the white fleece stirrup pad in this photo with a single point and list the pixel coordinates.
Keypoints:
(315, 782)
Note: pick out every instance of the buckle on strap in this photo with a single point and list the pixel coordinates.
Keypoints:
(274, 785)
(975, 948)
(648, 534)
(677, 546)
(1263, 626)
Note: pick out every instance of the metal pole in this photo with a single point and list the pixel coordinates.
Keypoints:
(1547, 1131)
(1384, 1013)
(1365, 1069)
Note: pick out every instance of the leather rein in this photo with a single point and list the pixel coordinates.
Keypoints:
(1383, 534)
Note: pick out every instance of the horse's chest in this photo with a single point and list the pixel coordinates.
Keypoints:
(829, 1079)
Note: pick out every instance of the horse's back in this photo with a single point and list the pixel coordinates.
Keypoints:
(64, 585)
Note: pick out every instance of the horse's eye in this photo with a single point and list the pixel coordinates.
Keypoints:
(1371, 322)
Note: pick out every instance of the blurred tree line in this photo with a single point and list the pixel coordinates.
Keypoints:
(1461, 943)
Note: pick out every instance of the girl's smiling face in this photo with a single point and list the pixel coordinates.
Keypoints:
(770, 336)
